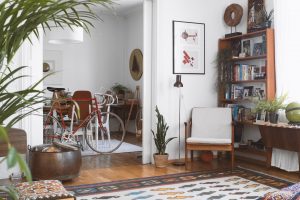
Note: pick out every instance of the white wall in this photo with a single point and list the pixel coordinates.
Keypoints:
(103, 58)
(198, 90)
(96, 62)
(133, 26)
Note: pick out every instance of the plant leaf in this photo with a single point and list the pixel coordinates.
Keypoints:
(3, 134)
(11, 157)
(24, 168)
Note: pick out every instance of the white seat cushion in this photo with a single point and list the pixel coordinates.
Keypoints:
(216, 141)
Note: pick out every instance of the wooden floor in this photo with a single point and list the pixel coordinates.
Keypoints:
(105, 168)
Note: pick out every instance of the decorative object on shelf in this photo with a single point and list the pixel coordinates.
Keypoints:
(246, 47)
(161, 157)
(136, 64)
(257, 49)
(292, 113)
(178, 84)
(232, 17)
(255, 19)
(188, 48)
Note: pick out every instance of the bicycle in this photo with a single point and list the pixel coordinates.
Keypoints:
(99, 127)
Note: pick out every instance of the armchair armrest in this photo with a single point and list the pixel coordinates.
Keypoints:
(188, 126)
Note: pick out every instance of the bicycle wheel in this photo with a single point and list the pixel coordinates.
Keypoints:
(106, 137)
(52, 129)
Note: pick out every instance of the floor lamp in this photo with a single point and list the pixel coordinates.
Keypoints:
(179, 85)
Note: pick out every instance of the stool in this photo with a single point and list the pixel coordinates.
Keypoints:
(43, 190)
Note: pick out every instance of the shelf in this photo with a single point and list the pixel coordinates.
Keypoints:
(249, 81)
(251, 150)
(234, 100)
(249, 58)
(247, 35)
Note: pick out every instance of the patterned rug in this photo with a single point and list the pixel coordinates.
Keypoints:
(226, 184)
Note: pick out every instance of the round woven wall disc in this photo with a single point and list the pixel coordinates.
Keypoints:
(136, 64)
(233, 14)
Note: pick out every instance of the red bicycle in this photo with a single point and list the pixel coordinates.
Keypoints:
(102, 132)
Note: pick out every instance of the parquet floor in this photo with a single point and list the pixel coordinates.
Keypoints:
(105, 168)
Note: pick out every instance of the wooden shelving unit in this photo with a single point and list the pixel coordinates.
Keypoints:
(249, 58)
(269, 81)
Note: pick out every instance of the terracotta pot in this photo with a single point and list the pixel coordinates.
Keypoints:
(161, 160)
(206, 156)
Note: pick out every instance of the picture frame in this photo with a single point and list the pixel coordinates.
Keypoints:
(246, 47)
(254, 19)
(188, 47)
(257, 49)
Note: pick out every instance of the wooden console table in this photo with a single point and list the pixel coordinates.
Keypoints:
(281, 136)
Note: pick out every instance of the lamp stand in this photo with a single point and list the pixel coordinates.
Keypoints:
(179, 162)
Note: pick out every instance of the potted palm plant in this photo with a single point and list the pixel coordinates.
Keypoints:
(19, 19)
(161, 157)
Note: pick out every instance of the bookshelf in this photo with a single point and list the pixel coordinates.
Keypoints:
(252, 77)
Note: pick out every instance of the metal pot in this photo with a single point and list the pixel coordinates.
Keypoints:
(64, 165)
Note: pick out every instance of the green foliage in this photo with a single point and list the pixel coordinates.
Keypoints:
(223, 64)
(119, 88)
(161, 131)
(271, 106)
(14, 101)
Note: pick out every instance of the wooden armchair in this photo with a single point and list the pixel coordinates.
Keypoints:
(209, 129)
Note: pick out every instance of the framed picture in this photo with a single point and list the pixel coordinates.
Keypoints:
(246, 47)
(188, 48)
(255, 17)
(257, 49)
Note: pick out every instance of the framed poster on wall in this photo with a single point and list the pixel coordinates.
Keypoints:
(188, 47)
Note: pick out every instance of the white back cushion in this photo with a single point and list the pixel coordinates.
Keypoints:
(211, 123)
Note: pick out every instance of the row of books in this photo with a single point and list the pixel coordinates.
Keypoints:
(240, 113)
(237, 92)
(242, 72)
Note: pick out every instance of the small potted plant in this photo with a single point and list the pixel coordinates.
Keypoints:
(272, 107)
(260, 109)
(161, 157)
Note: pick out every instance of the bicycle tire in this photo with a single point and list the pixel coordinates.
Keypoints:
(114, 120)
(50, 131)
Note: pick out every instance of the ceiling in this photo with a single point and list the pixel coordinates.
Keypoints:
(122, 7)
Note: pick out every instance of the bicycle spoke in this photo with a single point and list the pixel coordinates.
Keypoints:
(107, 136)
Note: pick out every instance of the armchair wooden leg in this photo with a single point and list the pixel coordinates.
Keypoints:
(186, 158)
(232, 159)
(192, 155)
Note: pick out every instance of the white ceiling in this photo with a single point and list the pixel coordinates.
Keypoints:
(122, 7)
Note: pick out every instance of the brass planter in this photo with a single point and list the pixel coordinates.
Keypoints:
(64, 165)
(161, 160)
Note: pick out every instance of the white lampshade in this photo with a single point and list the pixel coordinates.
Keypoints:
(65, 35)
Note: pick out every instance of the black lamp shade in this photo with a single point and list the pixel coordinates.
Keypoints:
(178, 82)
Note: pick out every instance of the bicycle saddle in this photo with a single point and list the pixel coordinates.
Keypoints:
(53, 89)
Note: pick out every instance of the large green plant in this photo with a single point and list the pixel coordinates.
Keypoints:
(18, 20)
(161, 132)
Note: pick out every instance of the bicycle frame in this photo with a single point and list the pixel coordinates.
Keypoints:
(57, 107)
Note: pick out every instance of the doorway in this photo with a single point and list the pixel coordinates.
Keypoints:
(101, 63)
